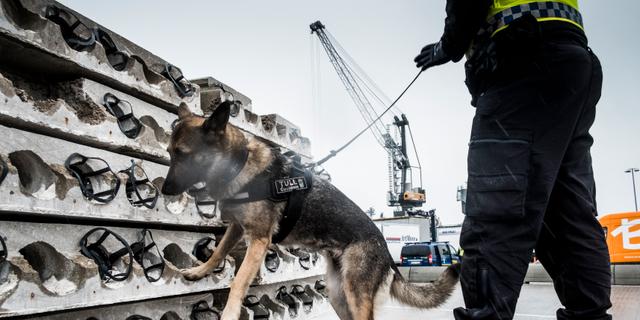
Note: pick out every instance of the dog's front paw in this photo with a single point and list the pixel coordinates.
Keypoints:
(230, 315)
(194, 274)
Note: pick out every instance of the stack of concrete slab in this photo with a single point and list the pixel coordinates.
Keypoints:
(53, 88)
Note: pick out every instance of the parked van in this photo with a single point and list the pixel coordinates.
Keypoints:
(622, 231)
(428, 254)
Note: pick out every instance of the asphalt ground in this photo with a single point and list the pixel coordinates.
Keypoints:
(537, 301)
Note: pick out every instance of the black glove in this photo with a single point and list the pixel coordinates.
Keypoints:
(431, 55)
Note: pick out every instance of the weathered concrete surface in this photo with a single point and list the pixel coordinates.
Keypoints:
(40, 109)
(31, 42)
(211, 92)
(51, 274)
(51, 106)
(181, 305)
(267, 295)
(48, 273)
(154, 309)
(271, 127)
(52, 109)
(290, 268)
(63, 198)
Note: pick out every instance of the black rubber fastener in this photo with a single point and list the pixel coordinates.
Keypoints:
(283, 296)
(77, 165)
(71, 28)
(137, 317)
(117, 59)
(304, 258)
(320, 286)
(133, 184)
(4, 170)
(174, 74)
(141, 247)
(4, 264)
(253, 303)
(127, 122)
(272, 260)
(202, 252)
(202, 199)
(300, 293)
(4, 253)
(201, 310)
(174, 123)
(105, 259)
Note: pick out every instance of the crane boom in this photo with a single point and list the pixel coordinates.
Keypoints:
(400, 191)
(353, 88)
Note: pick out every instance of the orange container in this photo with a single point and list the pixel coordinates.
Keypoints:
(623, 236)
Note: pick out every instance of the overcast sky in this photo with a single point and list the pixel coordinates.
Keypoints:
(263, 49)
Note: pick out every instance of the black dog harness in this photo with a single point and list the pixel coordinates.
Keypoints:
(277, 185)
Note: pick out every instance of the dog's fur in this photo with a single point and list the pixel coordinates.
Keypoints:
(360, 268)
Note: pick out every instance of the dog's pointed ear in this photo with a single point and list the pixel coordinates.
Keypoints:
(183, 111)
(218, 120)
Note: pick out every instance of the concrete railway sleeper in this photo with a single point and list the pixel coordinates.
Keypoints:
(261, 303)
(71, 86)
(271, 127)
(75, 110)
(53, 40)
(48, 272)
(38, 183)
(83, 111)
(56, 265)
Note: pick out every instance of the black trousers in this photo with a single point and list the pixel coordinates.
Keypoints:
(530, 182)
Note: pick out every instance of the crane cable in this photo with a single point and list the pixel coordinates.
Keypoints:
(333, 153)
(355, 68)
(415, 151)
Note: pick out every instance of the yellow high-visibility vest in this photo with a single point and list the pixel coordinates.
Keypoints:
(501, 5)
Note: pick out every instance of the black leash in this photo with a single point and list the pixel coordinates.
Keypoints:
(333, 153)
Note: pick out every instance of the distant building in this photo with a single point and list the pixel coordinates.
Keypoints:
(450, 233)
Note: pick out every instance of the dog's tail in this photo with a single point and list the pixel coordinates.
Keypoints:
(425, 296)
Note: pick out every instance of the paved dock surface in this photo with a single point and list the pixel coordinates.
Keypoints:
(537, 301)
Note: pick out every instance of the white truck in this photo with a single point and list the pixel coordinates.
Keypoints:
(397, 235)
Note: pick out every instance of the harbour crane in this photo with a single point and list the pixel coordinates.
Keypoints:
(401, 192)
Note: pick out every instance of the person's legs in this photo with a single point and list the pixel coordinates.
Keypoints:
(522, 129)
(572, 245)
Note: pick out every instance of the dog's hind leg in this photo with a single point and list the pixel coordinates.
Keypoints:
(335, 290)
(365, 268)
(256, 251)
(232, 235)
(359, 301)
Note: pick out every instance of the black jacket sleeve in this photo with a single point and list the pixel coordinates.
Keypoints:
(464, 19)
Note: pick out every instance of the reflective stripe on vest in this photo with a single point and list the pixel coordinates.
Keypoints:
(503, 12)
(500, 5)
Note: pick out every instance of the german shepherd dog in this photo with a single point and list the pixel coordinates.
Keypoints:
(360, 269)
